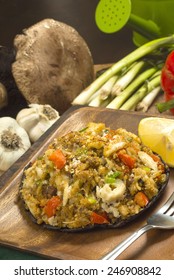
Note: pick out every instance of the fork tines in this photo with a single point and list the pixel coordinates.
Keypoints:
(168, 207)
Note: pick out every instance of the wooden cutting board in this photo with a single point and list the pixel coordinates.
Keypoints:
(19, 232)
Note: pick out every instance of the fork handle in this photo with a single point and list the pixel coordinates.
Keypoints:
(126, 243)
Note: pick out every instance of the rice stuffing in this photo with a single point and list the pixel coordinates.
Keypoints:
(93, 176)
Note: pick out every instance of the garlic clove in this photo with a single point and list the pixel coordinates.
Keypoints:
(37, 119)
(14, 142)
(9, 159)
(27, 118)
(37, 131)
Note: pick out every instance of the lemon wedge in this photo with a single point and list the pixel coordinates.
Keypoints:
(158, 135)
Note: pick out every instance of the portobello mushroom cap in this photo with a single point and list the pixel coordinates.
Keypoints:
(53, 64)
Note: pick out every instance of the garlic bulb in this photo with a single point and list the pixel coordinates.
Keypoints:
(3, 96)
(14, 142)
(37, 119)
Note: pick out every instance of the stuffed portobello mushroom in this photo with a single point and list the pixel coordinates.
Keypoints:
(95, 177)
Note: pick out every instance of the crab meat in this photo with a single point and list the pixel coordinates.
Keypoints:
(148, 160)
(110, 193)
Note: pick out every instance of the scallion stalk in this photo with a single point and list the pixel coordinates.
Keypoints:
(147, 100)
(142, 92)
(118, 101)
(165, 106)
(98, 98)
(125, 80)
(98, 102)
(138, 53)
(95, 102)
(106, 89)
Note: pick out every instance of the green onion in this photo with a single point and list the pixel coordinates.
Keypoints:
(99, 98)
(164, 106)
(148, 99)
(105, 90)
(138, 53)
(83, 129)
(146, 168)
(142, 92)
(91, 200)
(115, 174)
(110, 178)
(117, 102)
(98, 102)
(125, 80)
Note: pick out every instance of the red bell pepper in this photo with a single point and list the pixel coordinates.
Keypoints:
(51, 206)
(167, 84)
(126, 159)
(58, 158)
(141, 199)
(98, 218)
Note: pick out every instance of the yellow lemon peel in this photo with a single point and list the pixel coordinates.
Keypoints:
(158, 134)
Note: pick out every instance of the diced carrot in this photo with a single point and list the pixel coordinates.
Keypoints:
(110, 134)
(58, 158)
(99, 219)
(51, 206)
(155, 157)
(141, 199)
(127, 160)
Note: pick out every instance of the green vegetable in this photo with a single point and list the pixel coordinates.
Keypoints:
(92, 200)
(148, 99)
(83, 129)
(137, 54)
(127, 78)
(164, 106)
(110, 178)
(146, 168)
(119, 100)
(141, 93)
(81, 151)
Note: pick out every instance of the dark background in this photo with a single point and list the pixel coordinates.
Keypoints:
(15, 15)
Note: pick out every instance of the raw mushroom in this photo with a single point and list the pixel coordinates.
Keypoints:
(3, 96)
(53, 64)
(16, 100)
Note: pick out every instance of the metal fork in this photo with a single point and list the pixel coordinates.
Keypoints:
(163, 219)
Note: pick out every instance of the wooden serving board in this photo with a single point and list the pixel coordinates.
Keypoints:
(19, 232)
